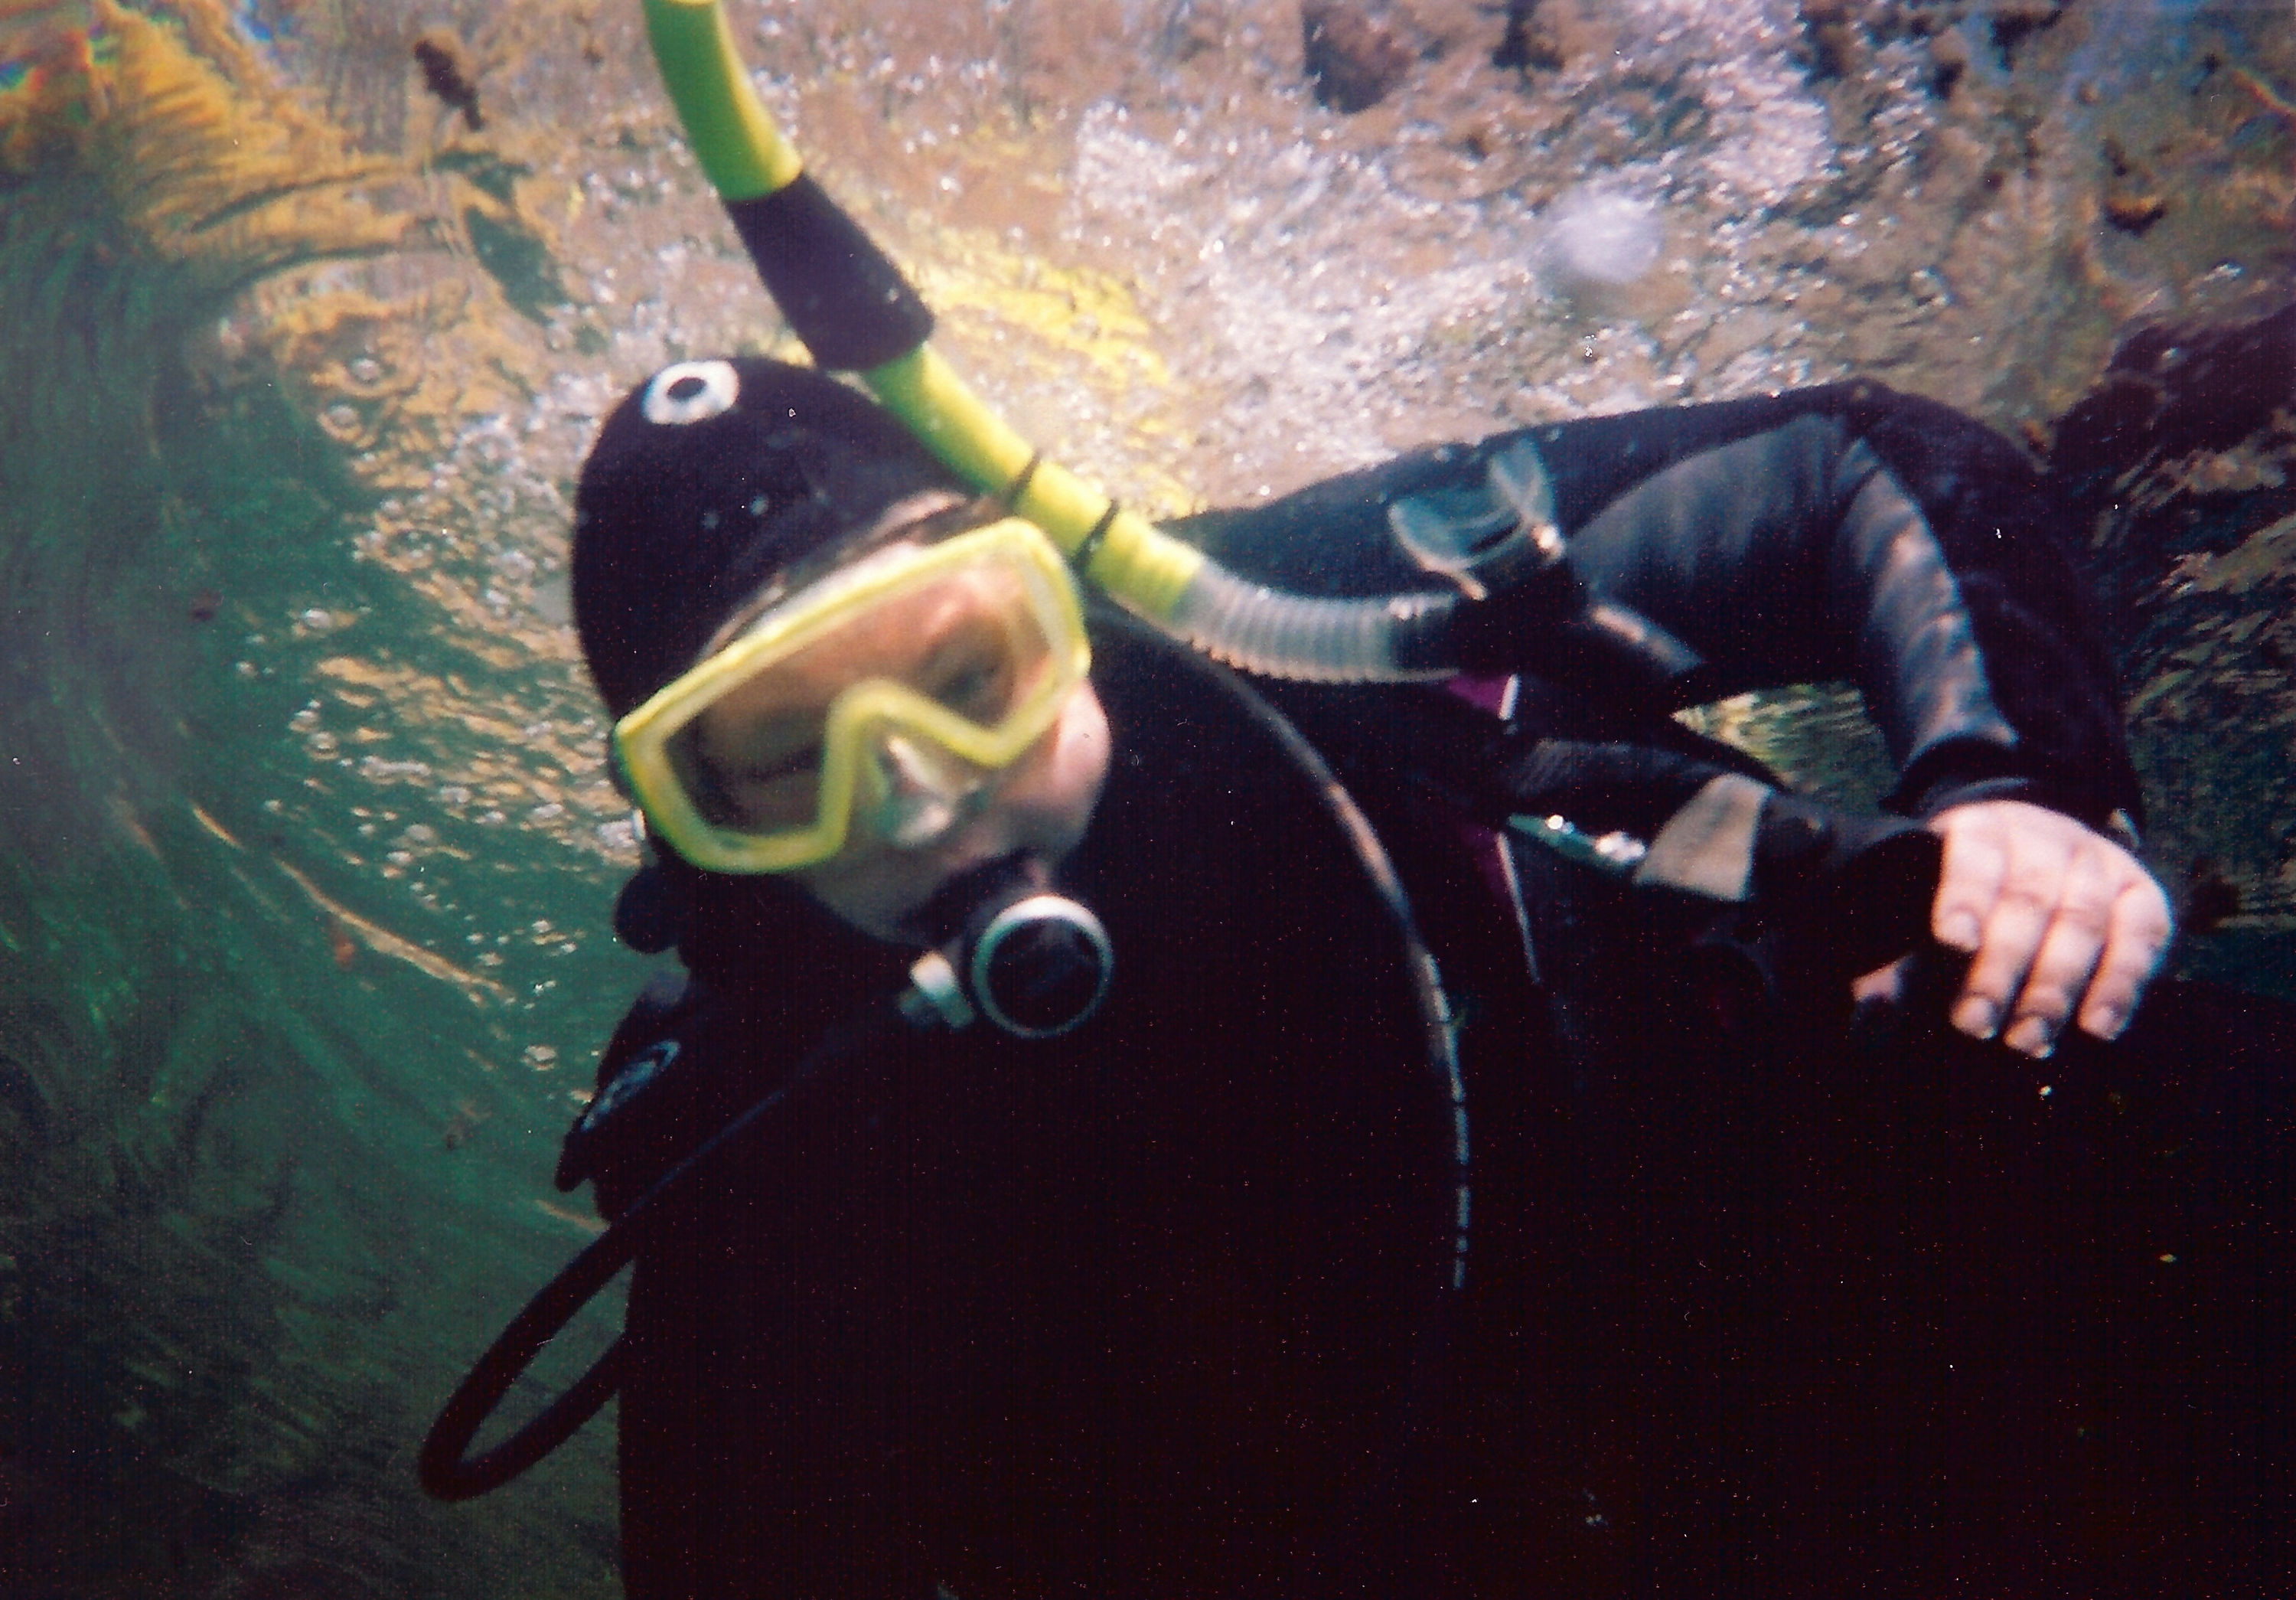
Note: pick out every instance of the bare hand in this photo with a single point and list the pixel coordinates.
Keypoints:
(2060, 923)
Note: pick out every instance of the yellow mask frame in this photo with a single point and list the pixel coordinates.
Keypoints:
(643, 740)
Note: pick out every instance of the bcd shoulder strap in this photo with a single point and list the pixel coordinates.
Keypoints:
(630, 1132)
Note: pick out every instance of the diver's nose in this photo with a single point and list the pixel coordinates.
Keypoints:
(913, 793)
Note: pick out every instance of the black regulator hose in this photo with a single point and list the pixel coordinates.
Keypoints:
(445, 1470)
(445, 1467)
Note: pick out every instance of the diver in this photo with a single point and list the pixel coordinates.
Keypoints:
(1259, 1057)
(1154, 1278)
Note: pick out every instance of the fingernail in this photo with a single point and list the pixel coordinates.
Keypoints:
(2106, 1022)
(1959, 932)
(2031, 1036)
(1976, 1017)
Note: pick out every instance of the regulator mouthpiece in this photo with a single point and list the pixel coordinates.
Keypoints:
(1041, 966)
(1033, 962)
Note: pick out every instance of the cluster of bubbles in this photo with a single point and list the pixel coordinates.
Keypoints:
(1377, 281)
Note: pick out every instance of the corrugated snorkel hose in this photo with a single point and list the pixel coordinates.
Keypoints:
(855, 313)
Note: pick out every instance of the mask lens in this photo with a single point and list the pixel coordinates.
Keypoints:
(755, 780)
(970, 640)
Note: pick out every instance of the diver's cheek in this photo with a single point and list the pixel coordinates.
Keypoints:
(1044, 801)
(1048, 803)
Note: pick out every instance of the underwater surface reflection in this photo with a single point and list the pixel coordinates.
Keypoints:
(309, 308)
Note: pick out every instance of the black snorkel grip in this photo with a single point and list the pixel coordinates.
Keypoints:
(841, 294)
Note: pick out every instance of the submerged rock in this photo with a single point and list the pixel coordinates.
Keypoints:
(2180, 470)
(1531, 40)
(2132, 203)
(1354, 58)
(2013, 20)
(2170, 391)
(1835, 49)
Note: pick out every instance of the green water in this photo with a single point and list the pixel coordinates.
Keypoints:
(270, 1181)
(305, 857)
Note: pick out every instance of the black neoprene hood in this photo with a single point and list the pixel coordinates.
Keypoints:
(706, 481)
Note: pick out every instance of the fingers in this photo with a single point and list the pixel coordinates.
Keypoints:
(2061, 968)
(2005, 884)
(2139, 935)
(2059, 922)
(1975, 866)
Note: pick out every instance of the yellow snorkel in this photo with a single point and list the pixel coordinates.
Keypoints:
(855, 313)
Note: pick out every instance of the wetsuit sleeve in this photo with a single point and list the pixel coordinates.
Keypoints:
(1852, 533)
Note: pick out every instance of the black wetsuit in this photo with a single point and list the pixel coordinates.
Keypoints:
(1755, 1298)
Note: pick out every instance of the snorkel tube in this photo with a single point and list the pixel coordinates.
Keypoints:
(855, 312)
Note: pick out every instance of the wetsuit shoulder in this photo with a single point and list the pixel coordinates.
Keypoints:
(1845, 532)
(1850, 533)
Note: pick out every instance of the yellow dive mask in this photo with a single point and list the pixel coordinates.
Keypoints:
(884, 698)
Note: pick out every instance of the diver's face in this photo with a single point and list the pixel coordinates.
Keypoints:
(973, 637)
(1039, 806)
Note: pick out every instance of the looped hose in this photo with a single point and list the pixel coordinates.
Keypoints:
(447, 1473)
